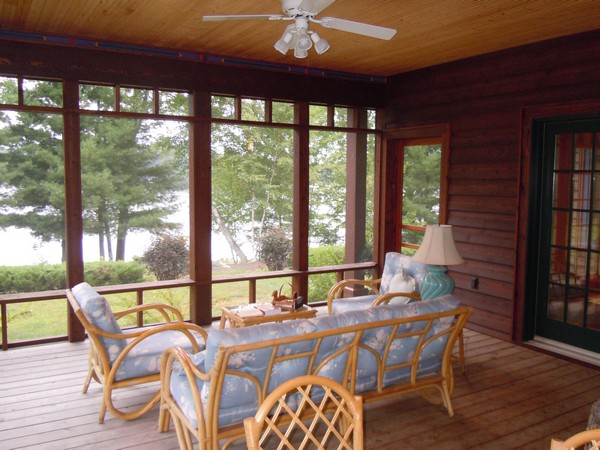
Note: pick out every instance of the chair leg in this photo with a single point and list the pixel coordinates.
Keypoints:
(461, 351)
(164, 419)
(90, 373)
(102, 411)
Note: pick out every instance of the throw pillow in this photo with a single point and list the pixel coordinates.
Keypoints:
(401, 283)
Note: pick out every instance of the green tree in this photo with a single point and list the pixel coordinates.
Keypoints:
(126, 185)
(327, 213)
(129, 182)
(252, 180)
(421, 189)
(31, 166)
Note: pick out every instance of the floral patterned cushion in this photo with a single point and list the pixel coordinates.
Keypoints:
(181, 391)
(144, 357)
(395, 263)
(97, 310)
(239, 398)
(403, 349)
(342, 305)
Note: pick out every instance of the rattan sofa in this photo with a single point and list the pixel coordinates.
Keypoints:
(378, 352)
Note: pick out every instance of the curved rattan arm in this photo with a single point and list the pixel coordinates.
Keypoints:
(577, 440)
(384, 299)
(183, 327)
(337, 289)
(160, 307)
(178, 354)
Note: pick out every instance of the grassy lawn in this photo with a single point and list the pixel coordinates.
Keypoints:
(34, 320)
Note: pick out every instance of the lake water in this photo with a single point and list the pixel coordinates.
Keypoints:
(19, 248)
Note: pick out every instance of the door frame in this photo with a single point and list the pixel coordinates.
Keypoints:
(389, 214)
(523, 325)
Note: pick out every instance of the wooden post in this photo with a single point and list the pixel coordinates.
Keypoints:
(73, 201)
(200, 211)
(356, 196)
(301, 207)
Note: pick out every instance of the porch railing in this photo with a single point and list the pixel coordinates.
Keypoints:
(141, 288)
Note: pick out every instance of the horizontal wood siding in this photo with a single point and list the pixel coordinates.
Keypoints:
(482, 99)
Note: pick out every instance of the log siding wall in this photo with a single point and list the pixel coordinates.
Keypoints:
(484, 100)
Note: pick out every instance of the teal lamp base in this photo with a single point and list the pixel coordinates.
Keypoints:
(436, 283)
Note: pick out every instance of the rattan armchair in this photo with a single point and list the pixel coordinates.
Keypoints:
(589, 437)
(307, 412)
(123, 358)
(381, 289)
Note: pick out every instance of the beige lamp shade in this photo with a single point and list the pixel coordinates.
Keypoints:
(438, 247)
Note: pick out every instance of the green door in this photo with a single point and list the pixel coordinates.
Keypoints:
(564, 256)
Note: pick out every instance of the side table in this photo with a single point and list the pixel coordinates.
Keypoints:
(236, 319)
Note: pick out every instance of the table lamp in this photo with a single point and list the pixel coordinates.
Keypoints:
(437, 251)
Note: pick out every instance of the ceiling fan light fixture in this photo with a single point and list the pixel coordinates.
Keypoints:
(321, 45)
(300, 53)
(304, 42)
(283, 44)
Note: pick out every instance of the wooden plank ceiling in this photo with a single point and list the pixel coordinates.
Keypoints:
(430, 32)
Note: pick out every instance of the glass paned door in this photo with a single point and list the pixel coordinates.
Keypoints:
(569, 265)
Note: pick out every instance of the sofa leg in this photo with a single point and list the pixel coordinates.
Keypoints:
(183, 435)
(446, 398)
(164, 419)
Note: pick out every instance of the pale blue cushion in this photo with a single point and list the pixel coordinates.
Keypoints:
(97, 310)
(394, 262)
(342, 305)
(402, 350)
(144, 357)
(334, 368)
(239, 398)
(181, 391)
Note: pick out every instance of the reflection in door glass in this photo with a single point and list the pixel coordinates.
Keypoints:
(574, 289)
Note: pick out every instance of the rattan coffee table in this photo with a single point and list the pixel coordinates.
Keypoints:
(236, 319)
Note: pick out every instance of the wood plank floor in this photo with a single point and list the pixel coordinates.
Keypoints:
(510, 398)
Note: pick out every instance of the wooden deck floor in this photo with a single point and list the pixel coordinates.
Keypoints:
(510, 398)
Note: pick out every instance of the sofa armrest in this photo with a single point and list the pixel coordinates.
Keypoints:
(182, 358)
(337, 289)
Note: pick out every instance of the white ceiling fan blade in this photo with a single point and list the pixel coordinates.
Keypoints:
(242, 17)
(357, 27)
(315, 6)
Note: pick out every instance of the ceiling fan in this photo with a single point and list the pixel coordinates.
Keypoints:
(297, 34)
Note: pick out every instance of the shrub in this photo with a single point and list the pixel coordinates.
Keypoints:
(319, 285)
(106, 273)
(40, 277)
(48, 277)
(167, 257)
(275, 249)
